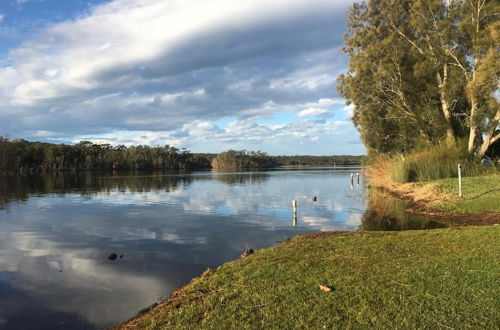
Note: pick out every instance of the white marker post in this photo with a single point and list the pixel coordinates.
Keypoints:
(459, 181)
(294, 219)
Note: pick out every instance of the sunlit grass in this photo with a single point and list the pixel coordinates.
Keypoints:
(445, 278)
(480, 194)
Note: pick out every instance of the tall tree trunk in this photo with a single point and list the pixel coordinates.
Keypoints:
(450, 133)
(472, 138)
(473, 110)
(489, 139)
(473, 130)
(445, 105)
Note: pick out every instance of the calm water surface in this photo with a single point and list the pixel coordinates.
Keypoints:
(57, 230)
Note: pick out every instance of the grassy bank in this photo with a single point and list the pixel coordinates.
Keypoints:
(435, 279)
(481, 195)
(428, 180)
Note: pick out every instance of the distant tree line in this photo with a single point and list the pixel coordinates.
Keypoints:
(318, 160)
(22, 155)
(234, 159)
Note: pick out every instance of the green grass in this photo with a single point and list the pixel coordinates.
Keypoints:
(446, 278)
(481, 194)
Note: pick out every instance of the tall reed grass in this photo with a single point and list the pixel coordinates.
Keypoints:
(437, 162)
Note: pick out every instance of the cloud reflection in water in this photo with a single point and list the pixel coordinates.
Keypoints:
(53, 245)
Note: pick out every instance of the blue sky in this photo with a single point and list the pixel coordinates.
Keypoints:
(204, 75)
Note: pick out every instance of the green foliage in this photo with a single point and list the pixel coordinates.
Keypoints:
(442, 278)
(233, 160)
(18, 155)
(318, 160)
(423, 70)
(21, 155)
(241, 159)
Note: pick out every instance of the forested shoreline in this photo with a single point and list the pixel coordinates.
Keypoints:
(26, 156)
(22, 155)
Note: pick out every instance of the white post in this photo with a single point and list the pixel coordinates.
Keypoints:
(459, 181)
(294, 219)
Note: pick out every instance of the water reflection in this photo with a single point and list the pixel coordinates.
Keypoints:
(241, 178)
(385, 212)
(58, 229)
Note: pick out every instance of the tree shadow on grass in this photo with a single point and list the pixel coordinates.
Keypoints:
(485, 193)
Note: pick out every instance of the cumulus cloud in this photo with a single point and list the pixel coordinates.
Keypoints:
(349, 110)
(156, 68)
(313, 112)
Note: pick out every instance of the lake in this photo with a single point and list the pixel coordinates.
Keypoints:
(58, 230)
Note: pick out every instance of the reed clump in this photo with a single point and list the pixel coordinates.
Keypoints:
(437, 162)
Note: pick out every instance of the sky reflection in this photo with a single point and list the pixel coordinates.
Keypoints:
(57, 231)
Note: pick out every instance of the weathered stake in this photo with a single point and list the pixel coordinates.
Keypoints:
(357, 178)
(294, 219)
(459, 181)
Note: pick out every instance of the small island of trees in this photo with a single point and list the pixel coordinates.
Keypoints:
(235, 160)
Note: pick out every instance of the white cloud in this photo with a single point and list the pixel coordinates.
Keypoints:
(2, 16)
(310, 79)
(275, 139)
(156, 71)
(312, 112)
(349, 110)
(129, 32)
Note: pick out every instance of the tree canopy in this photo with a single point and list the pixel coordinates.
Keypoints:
(21, 155)
(424, 71)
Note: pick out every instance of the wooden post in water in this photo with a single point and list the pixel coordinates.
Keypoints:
(460, 181)
(294, 219)
(357, 178)
(352, 180)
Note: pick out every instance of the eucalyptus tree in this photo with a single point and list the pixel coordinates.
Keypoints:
(423, 71)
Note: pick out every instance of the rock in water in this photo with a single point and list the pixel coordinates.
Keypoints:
(112, 256)
(246, 253)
